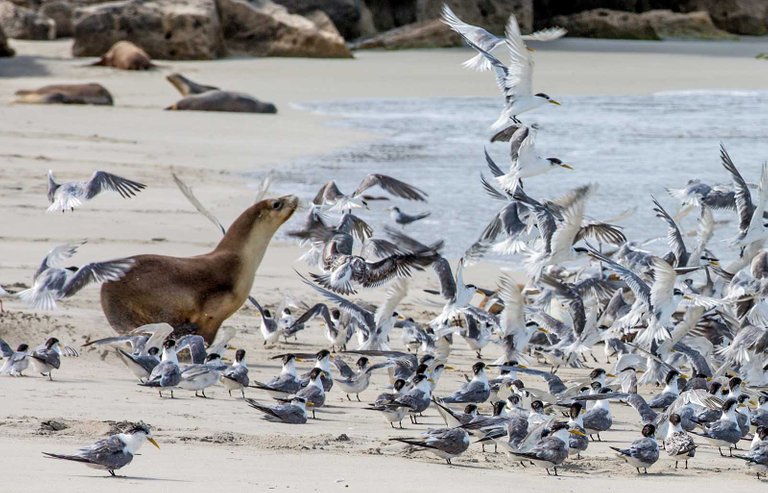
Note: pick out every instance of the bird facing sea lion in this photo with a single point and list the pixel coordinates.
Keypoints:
(196, 294)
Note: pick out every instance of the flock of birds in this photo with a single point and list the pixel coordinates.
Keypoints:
(684, 319)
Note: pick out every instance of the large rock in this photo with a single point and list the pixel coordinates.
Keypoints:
(653, 25)
(23, 23)
(490, 14)
(263, 28)
(5, 50)
(167, 29)
(61, 12)
(735, 16)
(429, 34)
(345, 14)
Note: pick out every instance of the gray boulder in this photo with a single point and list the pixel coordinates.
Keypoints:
(5, 49)
(166, 29)
(23, 23)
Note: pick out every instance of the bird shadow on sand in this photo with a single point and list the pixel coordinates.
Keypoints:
(134, 478)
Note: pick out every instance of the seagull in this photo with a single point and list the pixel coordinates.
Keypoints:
(724, 432)
(323, 363)
(599, 418)
(313, 393)
(67, 196)
(490, 42)
(140, 365)
(577, 443)
(235, 377)
(445, 443)
(417, 399)
(757, 457)
(286, 383)
(516, 80)
(330, 195)
(678, 444)
(526, 164)
(47, 357)
(404, 219)
(643, 452)
(476, 390)
(294, 412)
(51, 282)
(336, 329)
(113, 453)
(669, 394)
(383, 401)
(552, 450)
(167, 374)
(374, 327)
(15, 361)
(354, 382)
(199, 377)
(269, 329)
(751, 227)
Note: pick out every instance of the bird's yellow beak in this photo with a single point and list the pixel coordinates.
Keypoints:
(563, 165)
(400, 317)
(310, 404)
(153, 442)
(552, 101)
(448, 367)
(753, 403)
(688, 297)
(577, 432)
(542, 329)
(610, 375)
(430, 380)
(522, 366)
(298, 360)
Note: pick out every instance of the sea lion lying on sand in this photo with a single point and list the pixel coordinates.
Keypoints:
(196, 294)
(187, 87)
(125, 55)
(66, 94)
(223, 101)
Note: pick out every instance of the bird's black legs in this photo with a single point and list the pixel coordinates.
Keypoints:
(348, 398)
(358, 397)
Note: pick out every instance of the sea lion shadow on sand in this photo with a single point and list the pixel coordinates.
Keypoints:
(196, 294)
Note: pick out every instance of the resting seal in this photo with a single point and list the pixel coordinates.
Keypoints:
(125, 56)
(223, 101)
(66, 94)
(196, 294)
(186, 86)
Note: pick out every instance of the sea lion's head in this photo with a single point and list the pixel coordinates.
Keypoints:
(274, 212)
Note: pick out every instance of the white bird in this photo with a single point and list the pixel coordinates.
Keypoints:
(527, 164)
(490, 42)
(71, 194)
(52, 283)
(516, 80)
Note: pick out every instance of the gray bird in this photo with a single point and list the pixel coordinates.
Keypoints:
(286, 383)
(199, 377)
(678, 444)
(724, 432)
(140, 365)
(643, 452)
(669, 394)
(354, 382)
(757, 457)
(15, 361)
(294, 412)
(52, 283)
(552, 450)
(71, 194)
(235, 377)
(167, 374)
(113, 453)
(404, 219)
(417, 399)
(47, 357)
(383, 401)
(476, 390)
(445, 443)
(313, 393)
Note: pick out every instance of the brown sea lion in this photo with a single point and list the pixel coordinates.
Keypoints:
(196, 294)
(187, 87)
(125, 56)
(66, 94)
(223, 101)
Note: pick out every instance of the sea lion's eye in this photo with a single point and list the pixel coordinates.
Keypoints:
(277, 205)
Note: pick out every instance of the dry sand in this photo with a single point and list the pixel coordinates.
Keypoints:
(219, 444)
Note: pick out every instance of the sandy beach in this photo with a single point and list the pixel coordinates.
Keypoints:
(220, 443)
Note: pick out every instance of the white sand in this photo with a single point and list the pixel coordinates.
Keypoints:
(218, 444)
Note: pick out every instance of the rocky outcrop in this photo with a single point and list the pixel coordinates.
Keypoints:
(429, 34)
(345, 14)
(61, 12)
(5, 49)
(651, 25)
(263, 28)
(23, 23)
(735, 16)
(168, 29)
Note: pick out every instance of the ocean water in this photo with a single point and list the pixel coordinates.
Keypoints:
(631, 147)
